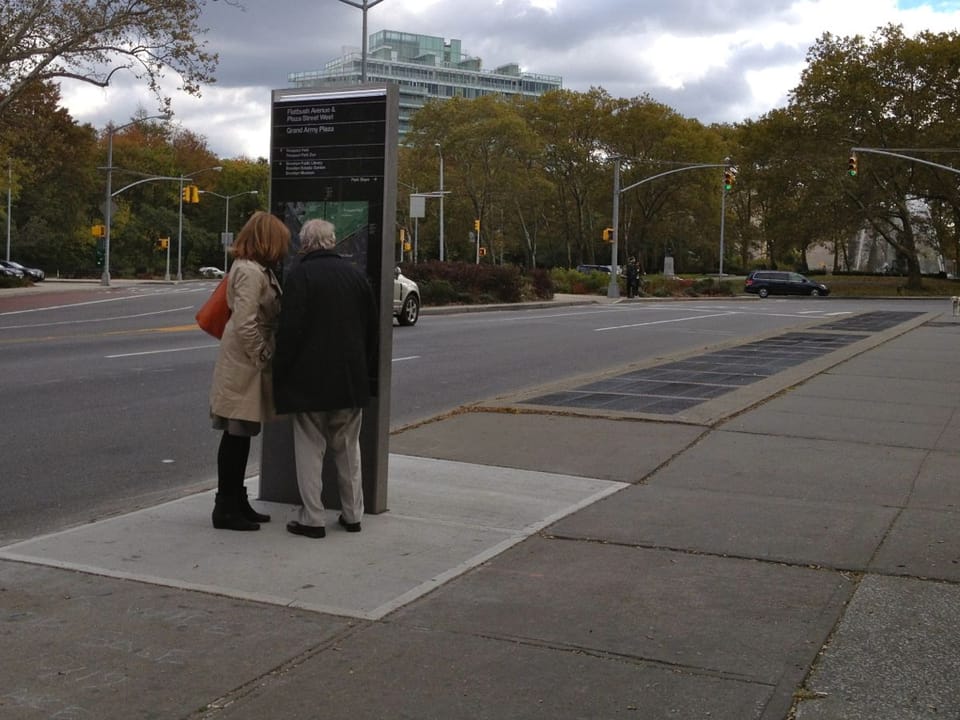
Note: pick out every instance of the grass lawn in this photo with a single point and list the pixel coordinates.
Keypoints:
(891, 286)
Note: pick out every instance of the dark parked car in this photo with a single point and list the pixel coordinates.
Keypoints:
(777, 282)
(593, 268)
(35, 274)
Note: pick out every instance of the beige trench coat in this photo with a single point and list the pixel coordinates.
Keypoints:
(242, 386)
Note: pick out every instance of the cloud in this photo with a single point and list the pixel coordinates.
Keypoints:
(718, 61)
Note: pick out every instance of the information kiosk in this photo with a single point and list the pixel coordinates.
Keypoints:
(333, 155)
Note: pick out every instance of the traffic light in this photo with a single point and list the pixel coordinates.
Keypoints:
(98, 231)
(476, 225)
(163, 243)
(852, 165)
(191, 194)
(100, 252)
(483, 252)
(608, 234)
(728, 178)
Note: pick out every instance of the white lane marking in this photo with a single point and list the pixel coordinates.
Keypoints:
(661, 322)
(69, 305)
(158, 352)
(204, 347)
(92, 320)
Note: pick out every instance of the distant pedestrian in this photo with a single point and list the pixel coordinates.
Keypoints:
(325, 372)
(241, 396)
(633, 278)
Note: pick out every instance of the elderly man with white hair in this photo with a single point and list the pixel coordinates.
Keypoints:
(324, 370)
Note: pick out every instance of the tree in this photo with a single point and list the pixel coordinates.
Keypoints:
(889, 92)
(672, 212)
(54, 180)
(569, 126)
(92, 40)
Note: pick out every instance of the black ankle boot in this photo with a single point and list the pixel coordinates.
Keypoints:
(228, 515)
(248, 512)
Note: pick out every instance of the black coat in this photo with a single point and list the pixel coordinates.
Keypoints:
(326, 355)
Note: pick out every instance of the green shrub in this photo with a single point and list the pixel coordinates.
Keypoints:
(436, 292)
(12, 282)
(466, 283)
(540, 283)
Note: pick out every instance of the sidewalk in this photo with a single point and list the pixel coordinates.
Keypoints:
(787, 548)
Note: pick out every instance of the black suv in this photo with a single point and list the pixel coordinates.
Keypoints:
(777, 282)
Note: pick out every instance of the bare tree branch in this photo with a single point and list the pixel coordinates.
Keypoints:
(91, 40)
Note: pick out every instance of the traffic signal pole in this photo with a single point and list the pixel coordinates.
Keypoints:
(613, 290)
(723, 216)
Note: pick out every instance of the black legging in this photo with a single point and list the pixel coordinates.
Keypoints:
(232, 463)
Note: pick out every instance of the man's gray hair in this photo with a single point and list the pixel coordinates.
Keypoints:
(317, 235)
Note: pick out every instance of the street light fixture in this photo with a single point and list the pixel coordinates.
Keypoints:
(364, 6)
(440, 151)
(108, 201)
(216, 168)
(226, 216)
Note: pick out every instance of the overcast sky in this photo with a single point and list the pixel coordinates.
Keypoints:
(713, 60)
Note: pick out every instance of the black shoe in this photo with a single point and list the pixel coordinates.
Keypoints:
(349, 527)
(248, 512)
(306, 530)
(228, 516)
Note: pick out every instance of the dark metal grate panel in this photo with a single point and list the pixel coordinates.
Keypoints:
(871, 321)
(677, 386)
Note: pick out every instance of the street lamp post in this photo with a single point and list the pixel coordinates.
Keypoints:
(226, 216)
(108, 201)
(182, 177)
(364, 6)
(440, 151)
(9, 202)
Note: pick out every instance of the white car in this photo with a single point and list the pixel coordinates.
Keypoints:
(211, 272)
(406, 299)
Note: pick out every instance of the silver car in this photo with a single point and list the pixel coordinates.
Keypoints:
(406, 299)
(18, 270)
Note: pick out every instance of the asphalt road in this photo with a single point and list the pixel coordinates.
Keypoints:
(103, 393)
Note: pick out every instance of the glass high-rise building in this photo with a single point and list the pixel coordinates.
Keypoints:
(426, 67)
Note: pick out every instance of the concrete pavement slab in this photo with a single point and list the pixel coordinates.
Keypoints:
(391, 671)
(81, 646)
(893, 657)
(445, 518)
(798, 402)
(619, 450)
(937, 486)
(856, 388)
(903, 367)
(772, 420)
(800, 468)
(825, 534)
(761, 622)
(922, 543)
(949, 441)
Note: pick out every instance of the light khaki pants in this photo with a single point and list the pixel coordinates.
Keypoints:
(314, 433)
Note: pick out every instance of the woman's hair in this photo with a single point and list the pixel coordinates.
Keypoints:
(317, 235)
(264, 238)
